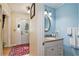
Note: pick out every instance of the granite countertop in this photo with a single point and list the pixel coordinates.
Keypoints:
(51, 39)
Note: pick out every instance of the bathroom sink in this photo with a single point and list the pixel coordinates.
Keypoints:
(52, 38)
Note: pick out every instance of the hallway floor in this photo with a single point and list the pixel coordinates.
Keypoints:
(6, 51)
(18, 50)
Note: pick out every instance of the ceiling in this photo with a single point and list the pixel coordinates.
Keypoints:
(54, 5)
(19, 7)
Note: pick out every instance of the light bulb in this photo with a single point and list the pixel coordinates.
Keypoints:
(50, 13)
(18, 28)
(28, 11)
(45, 12)
(24, 20)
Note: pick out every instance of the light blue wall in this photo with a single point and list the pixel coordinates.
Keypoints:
(66, 16)
(78, 14)
(52, 28)
(63, 17)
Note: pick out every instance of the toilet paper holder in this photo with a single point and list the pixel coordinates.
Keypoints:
(69, 31)
(70, 34)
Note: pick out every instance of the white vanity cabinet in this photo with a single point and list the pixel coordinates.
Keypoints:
(54, 47)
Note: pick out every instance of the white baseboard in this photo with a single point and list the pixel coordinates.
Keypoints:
(11, 45)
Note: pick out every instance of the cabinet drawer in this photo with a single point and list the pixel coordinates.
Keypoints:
(49, 44)
(60, 42)
(60, 53)
(54, 48)
(60, 46)
(51, 51)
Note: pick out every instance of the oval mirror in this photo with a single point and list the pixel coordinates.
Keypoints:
(47, 23)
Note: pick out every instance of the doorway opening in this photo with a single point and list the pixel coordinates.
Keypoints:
(21, 46)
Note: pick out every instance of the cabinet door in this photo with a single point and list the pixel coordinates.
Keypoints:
(60, 48)
(51, 51)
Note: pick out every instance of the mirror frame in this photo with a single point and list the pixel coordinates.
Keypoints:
(49, 24)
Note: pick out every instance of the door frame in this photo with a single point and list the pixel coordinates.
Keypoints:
(1, 40)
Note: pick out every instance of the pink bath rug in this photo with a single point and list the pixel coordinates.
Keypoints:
(19, 50)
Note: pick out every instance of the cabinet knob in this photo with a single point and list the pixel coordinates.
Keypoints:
(52, 49)
(43, 43)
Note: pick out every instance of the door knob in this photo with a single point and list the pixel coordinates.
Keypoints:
(43, 43)
(52, 49)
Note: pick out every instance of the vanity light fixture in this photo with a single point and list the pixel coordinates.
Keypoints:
(24, 20)
(46, 29)
(18, 27)
(49, 13)
(45, 12)
(28, 10)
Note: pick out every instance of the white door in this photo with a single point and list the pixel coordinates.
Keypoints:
(21, 32)
(24, 32)
(18, 32)
(5, 32)
(37, 31)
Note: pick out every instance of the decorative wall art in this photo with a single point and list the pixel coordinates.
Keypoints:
(32, 11)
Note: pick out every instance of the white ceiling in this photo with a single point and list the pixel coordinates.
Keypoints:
(19, 7)
(54, 5)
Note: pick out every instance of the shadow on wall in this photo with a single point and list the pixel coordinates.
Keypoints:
(68, 51)
(67, 16)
